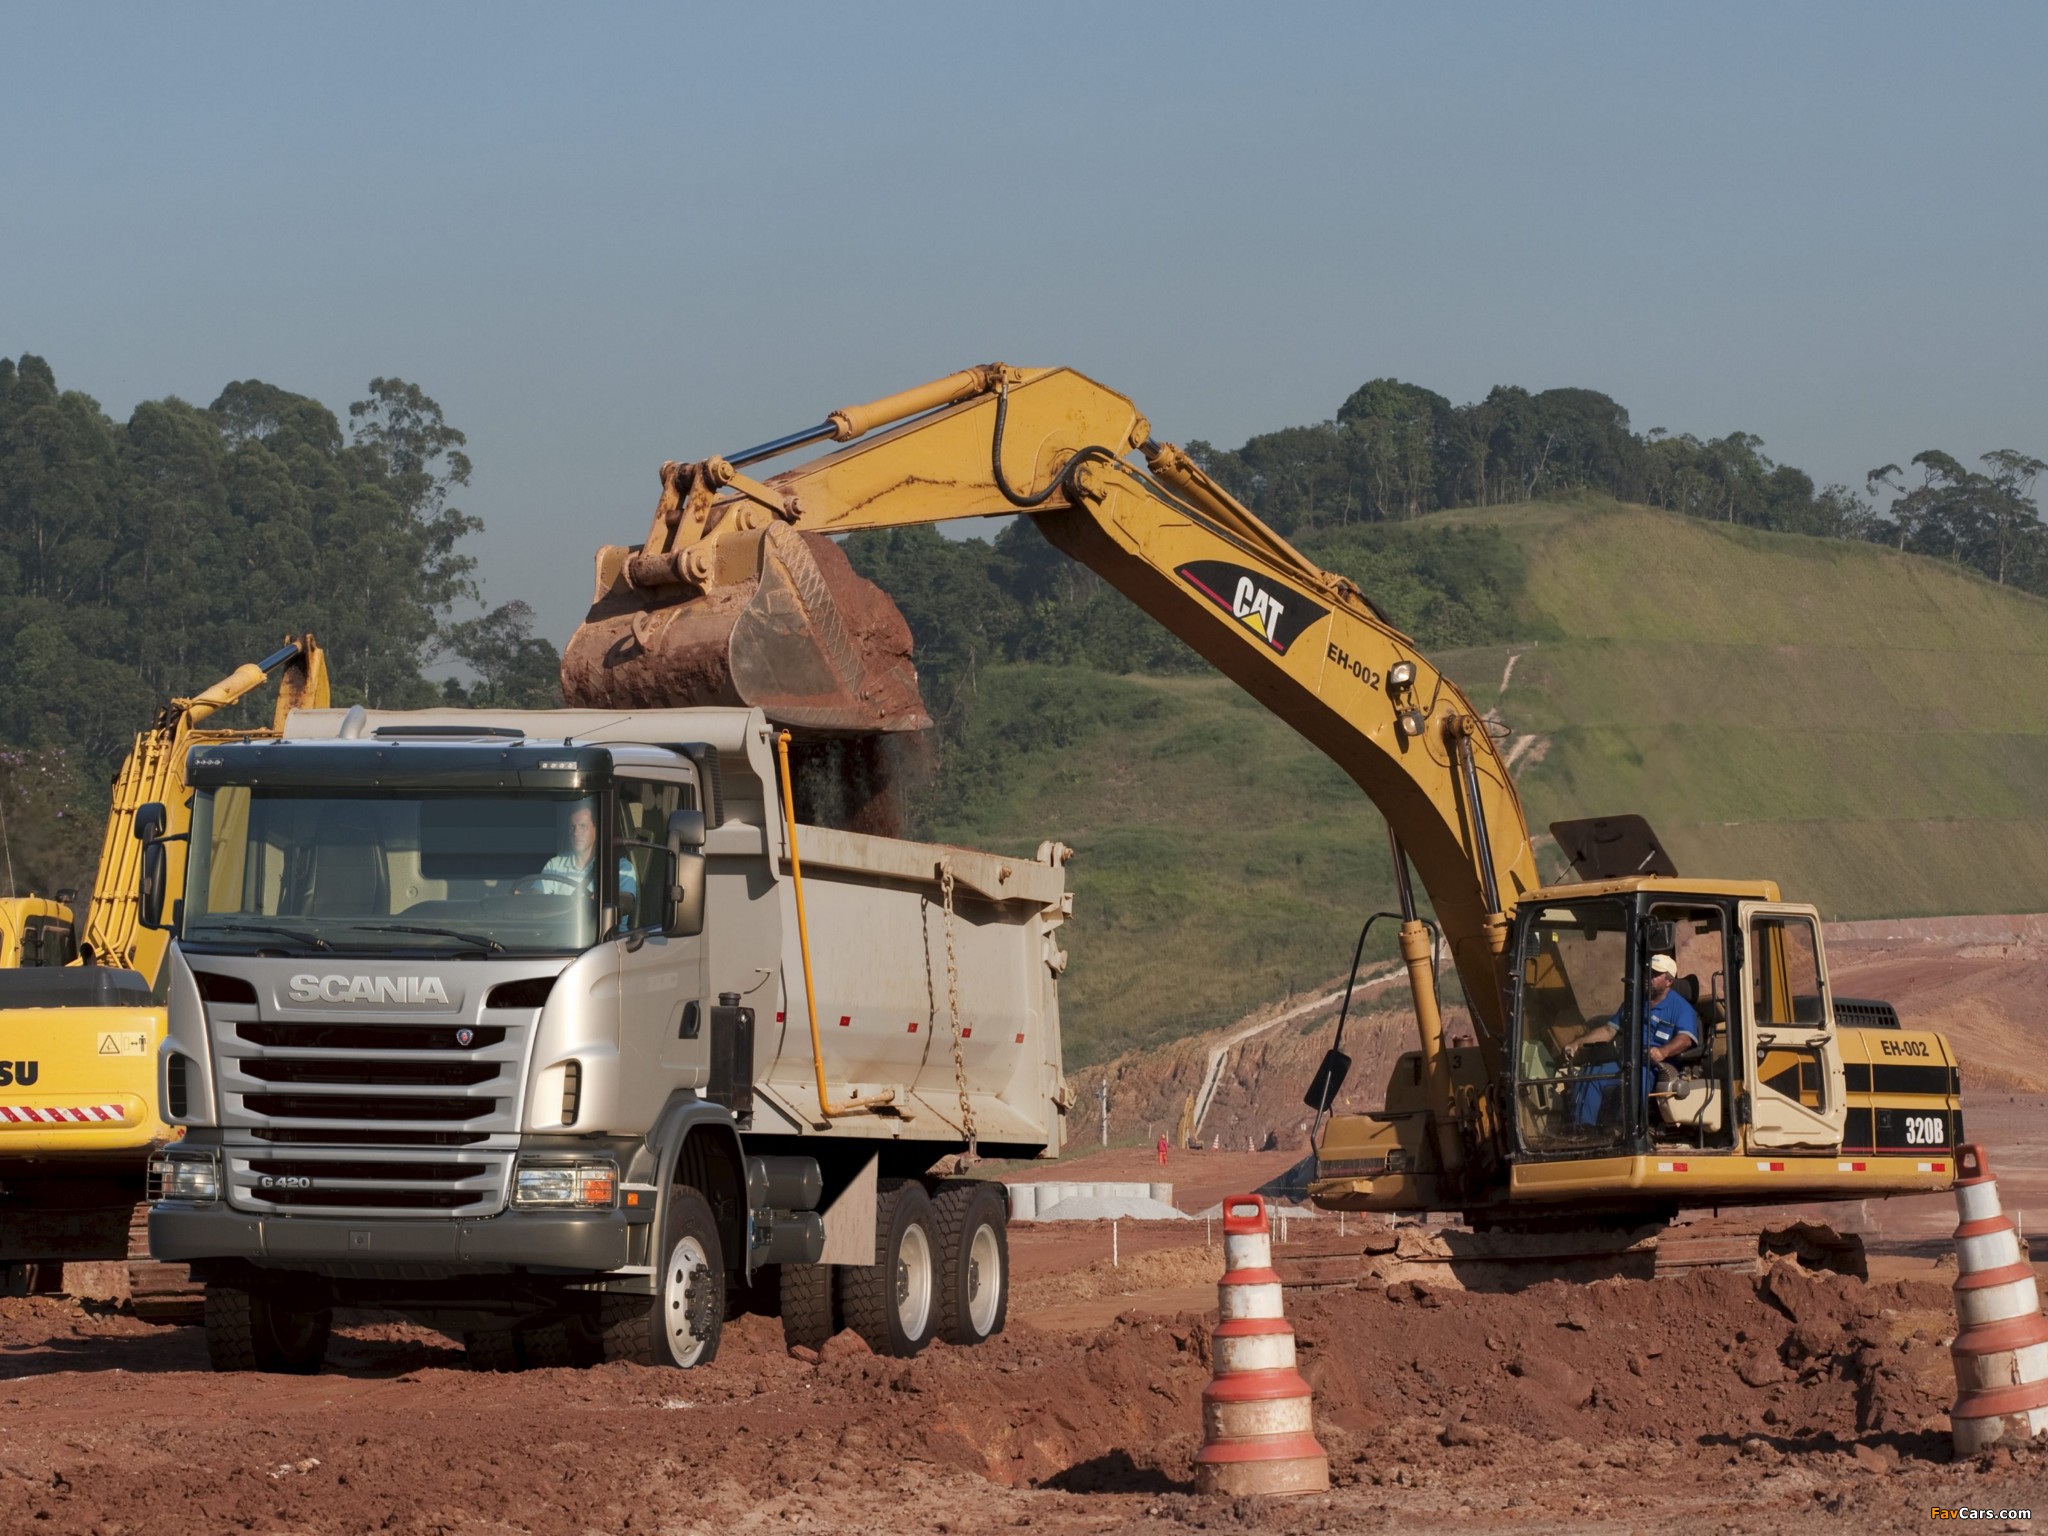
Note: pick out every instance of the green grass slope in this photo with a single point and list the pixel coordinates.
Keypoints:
(1868, 729)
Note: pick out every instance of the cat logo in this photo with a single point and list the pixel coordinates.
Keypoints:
(1277, 615)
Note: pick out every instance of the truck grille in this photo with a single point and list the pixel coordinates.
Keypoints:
(367, 1115)
(368, 1037)
(346, 1180)
(376, 1074)
(343, 1106)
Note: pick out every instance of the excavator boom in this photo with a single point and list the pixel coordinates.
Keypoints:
(715, 606)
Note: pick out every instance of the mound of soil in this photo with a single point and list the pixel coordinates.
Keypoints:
(1692, 1403)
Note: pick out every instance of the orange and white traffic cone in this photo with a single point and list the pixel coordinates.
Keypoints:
(2001, 1348)
(1257, 1417)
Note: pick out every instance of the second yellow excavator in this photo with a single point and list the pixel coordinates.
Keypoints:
(78, 1109)
(1581, 1105)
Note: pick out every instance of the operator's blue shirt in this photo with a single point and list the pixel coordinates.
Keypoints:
(1663, 1022)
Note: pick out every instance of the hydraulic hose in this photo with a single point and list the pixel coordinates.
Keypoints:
(803, 938)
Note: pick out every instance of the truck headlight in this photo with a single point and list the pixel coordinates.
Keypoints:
(577, 1186)
(184, 1178)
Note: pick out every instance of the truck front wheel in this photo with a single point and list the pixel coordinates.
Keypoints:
(972, 1220)
(680, 1323)
(259, 1331)
(894, 1304)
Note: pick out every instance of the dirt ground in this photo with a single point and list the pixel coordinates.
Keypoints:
(1713, 1402)
(1717, 1401)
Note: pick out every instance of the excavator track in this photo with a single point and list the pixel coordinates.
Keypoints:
(159, 1292)
(1379, 1254)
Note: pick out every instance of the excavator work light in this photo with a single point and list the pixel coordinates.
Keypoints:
(1411, 721)
(1401, 677)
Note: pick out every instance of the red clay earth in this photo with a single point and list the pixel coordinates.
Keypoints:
(1717, 1400)
(1709, 1403)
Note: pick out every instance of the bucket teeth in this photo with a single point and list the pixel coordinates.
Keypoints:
(805, 638)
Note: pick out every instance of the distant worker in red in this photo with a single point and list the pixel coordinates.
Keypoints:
(1162, 1149)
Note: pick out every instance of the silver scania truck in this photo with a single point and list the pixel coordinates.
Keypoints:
(535, 1027)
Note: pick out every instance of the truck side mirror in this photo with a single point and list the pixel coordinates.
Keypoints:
(685, 830)
(686, 859)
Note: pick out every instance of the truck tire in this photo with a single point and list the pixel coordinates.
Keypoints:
(255, 1331)
(972, 1222)
(894, 1304)
(679, 1325)
(809, 1317)
(496, 1350)
(550, 1347)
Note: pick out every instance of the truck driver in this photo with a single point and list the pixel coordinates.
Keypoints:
(567, 873)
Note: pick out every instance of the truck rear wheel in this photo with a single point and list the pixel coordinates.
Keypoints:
(257, 1331)
(972, 1221)
(809, 1317)
(894, 1304)
(679, 1324)
(495, 1350)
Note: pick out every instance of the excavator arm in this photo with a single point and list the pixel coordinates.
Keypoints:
(738, 595)
(155, 772)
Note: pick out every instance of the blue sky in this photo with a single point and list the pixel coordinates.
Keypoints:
(602, 236)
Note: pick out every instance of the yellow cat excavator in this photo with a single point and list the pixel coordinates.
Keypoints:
(78, 1110)
(1578, 1108)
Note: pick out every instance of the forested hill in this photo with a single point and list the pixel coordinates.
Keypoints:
(145, 559)
(1758, 667)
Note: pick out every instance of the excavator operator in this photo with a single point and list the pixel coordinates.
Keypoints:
(1670, 1025)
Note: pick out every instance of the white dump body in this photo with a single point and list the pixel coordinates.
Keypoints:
(892, 1012)
(897, 975)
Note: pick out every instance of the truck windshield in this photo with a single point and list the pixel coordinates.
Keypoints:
(392, 870)
(1573, 1069)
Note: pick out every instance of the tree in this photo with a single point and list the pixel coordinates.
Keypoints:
(515, 669)
(1986, 520)
(145, 559)
(1398, 436)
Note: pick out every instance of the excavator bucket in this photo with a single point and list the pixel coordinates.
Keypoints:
(788, 626)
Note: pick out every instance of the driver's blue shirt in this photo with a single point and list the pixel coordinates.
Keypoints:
(1663, 1021)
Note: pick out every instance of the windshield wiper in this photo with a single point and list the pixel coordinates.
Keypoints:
(481, 941)
(310, 940)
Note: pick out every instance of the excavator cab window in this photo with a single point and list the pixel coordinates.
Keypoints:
(1689, 1096)
(1572, 1065)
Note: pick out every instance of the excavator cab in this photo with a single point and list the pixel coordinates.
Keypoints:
(1581, 1083)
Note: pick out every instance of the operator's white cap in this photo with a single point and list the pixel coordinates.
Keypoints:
(1664, 965)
